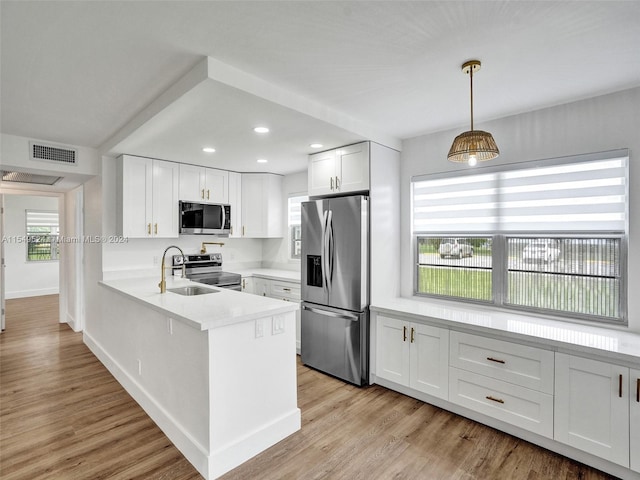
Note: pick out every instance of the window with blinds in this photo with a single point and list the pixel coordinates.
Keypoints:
(547, 236)
(42, 230)
(294, 208)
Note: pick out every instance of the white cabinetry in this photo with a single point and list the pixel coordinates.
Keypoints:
(146, 197)
(592, 407)
(635, 419)
(280, 289)
(507, 381)
(200, 184)
(338, 171)
(413, 355)
(261, 205)
(235, 200)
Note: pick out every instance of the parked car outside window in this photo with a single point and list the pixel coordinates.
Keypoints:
(542, 250)
(455, 247)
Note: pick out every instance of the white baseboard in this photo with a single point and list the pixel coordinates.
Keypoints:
(230, 456)
(31, 293)
(195, 453)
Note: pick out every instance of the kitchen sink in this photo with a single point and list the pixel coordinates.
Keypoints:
(192, 290)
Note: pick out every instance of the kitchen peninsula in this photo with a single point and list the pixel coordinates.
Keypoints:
(215, 371)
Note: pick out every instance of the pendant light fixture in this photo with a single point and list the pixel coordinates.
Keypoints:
(474, 145)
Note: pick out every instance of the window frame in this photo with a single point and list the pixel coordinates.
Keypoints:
(290, 238)
(53, 245)
(499, 267)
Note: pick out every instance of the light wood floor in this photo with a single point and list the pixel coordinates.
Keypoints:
(63, 416)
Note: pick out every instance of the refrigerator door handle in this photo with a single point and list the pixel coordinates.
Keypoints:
(345, 315)
(330, 250)
(323, 263)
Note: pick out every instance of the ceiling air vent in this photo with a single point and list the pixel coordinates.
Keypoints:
(52, 153)
(21, 177)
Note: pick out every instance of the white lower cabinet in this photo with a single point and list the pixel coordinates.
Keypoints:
(280, 289)
(592, 407)
(413, 354)
(520, 406)
(635, 419)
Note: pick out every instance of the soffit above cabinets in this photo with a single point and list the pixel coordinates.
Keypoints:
(217, 105)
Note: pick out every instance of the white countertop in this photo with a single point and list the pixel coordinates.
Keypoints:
(557, 335)
(271, 273)
(203, 312)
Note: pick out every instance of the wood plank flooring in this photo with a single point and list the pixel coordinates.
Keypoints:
(63, 416)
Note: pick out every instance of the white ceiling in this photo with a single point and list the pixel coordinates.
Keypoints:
(78, 73)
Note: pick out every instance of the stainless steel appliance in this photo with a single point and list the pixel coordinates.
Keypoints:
(205, 218)
(207, 269)
(335, 287)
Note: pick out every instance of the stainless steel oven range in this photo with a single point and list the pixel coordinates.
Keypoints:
(207, 268)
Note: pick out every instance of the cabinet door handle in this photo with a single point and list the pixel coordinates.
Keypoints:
(331, 183)
(202, 194)
(243, 230)
(494, 399)
(337, 184)
(207, 194)
(620, 386)
(497, 360)
(244, 285)
(404, 333)
(148, 228)
(413, 331)
(231, 230)
(156, 228)
(638, 390)
(286, 289)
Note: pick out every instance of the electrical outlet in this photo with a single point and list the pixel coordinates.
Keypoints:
(277, 324)
(259, 328)
(139, 367)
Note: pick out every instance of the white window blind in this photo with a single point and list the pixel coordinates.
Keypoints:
(558, 195)
(39, 221)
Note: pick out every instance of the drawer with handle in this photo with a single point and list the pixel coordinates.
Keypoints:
(520, 406)
(285, 290)
(528, 367)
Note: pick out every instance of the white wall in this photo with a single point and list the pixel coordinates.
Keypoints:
(598, 124)
(22, 278)
(275, 251)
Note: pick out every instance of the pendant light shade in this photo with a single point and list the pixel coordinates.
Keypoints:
(474, 145)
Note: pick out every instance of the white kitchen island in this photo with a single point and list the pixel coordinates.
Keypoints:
(216, 372)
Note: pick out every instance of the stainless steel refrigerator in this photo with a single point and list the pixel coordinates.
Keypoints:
(335, 287)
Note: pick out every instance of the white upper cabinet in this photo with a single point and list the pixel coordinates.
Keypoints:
(592, 407)
(235, 200)
(147, 197)
(338, 171)
(200, 184)
(261, 205)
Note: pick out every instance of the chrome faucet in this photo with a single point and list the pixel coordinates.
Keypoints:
(163, 281)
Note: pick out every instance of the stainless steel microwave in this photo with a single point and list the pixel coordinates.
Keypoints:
(205, 218)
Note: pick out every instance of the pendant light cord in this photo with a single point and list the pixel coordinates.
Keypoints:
(471, 82)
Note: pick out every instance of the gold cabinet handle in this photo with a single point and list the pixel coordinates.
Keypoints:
(494, 399)
(404, 333)
(286, 289)
(244, 284)
(413, 331)
(620, 386)
(231, 230)
(337, 184)
(207, 194)
(202, 194)
(497, 360)
(156, 228)
(243, 230)
(331, 183)
(148, 228)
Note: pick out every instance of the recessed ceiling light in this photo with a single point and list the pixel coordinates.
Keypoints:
(208, 149)
(262, 160)
(316, 145)
(261, 130)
